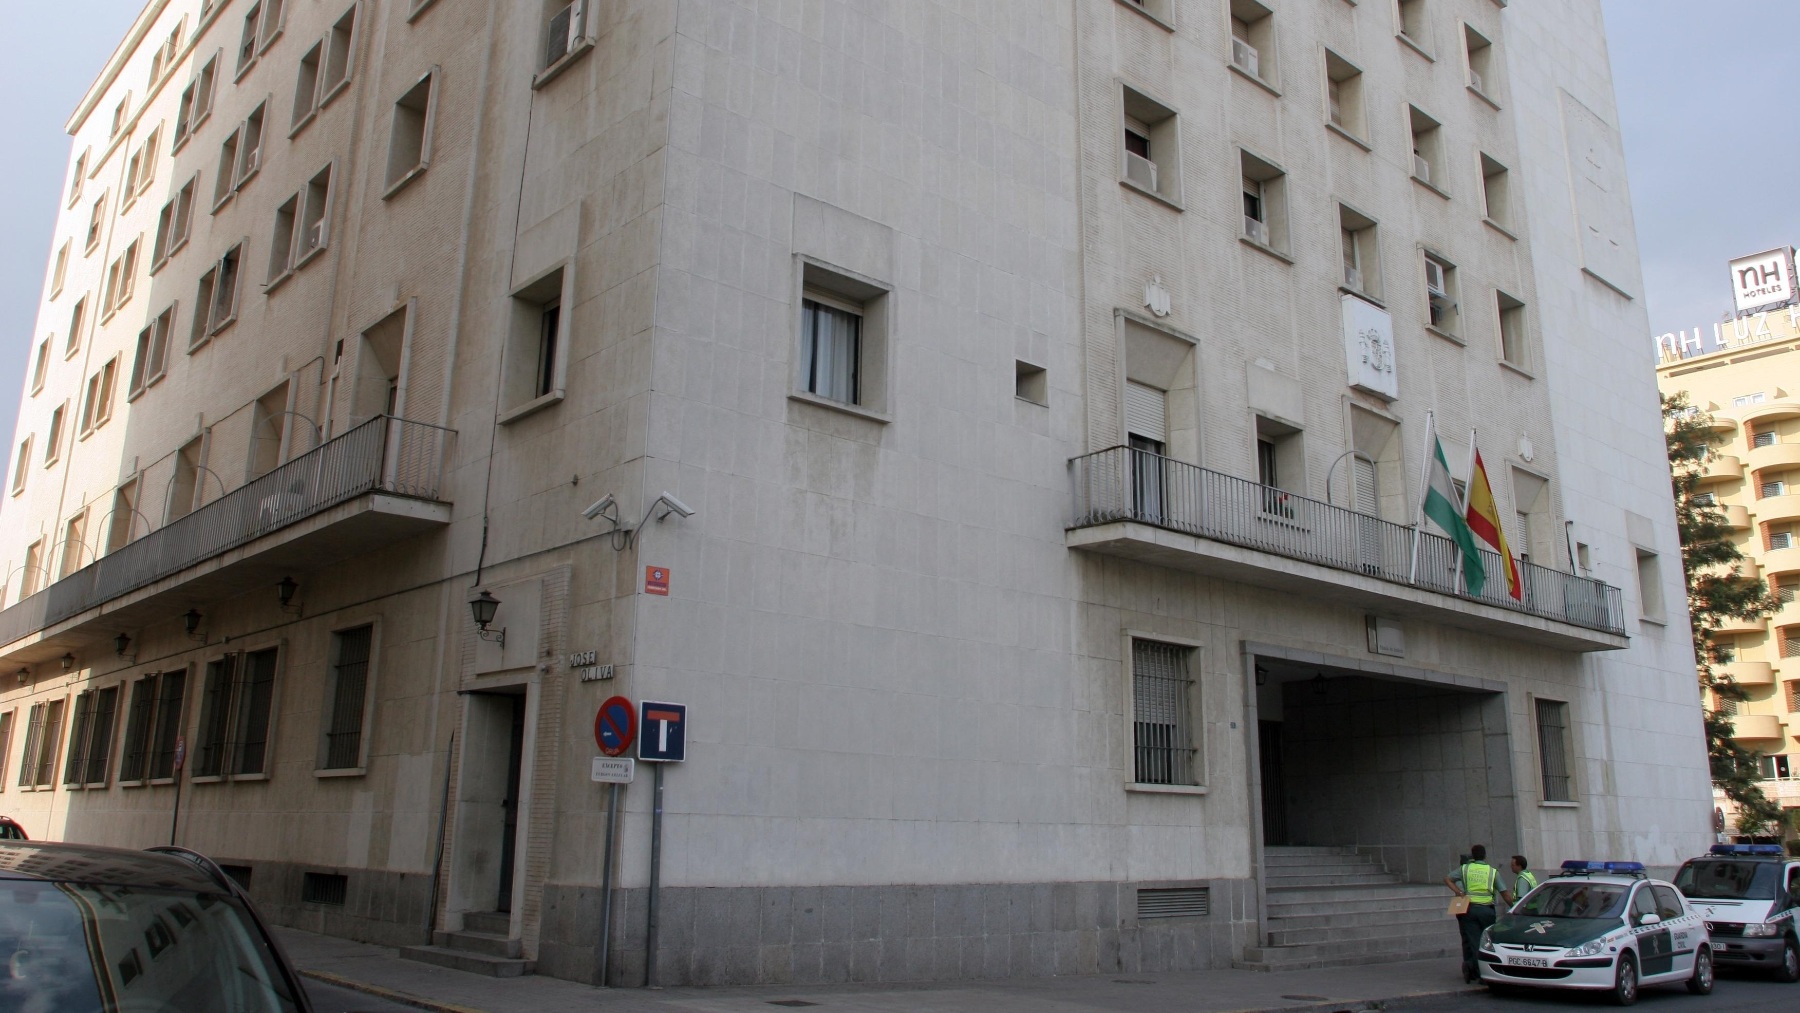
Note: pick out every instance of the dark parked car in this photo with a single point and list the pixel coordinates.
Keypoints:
(93, 930)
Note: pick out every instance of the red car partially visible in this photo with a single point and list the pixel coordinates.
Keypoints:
(10, 830)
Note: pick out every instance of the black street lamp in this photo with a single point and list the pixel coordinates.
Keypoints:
(482, 608)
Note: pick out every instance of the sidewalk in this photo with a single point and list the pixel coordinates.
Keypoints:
(379, 971)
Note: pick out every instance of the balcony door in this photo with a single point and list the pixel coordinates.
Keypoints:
(1147, 434)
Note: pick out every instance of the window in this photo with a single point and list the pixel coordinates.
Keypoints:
(95, 218)
(350, 651)
(1789, 642)
(74, 549)
(121, 279)
(247, 49)
(215, 304)
(97, 407)
(842, 356)
(43, 741)
(1786, 588)
(1152, 146)
(1771, 487)
(1362, 262)
(1265, 202)
(1253, 40)
(1482, 66)
(21, 469)
(122, 527)
(1496, 197)
(339, 56)
(151, 355)
(40, 365)
(6, 730)
(1781, 538)
(1147, 434)
(281, 241)
(77, 320)
(565, 32)
(1441, 311)
(153, 726)
(184, 485)
(53, 439)
(141, 170)
(1030, 383)
(90, 738)
(232, 739)
(163, 61)
(1344, 96)
(121, 116)
(1412, 21)
(79, 177)
(268, 431)
(306, 87)
(250, 146)
(534, 355)
(174, 224)
(300, 227)
(1793, 696)
(196, 103)
(1553, 750)
(1162, 707)
(1280, 466)
(273, 19)
(409, 136)
(1156, 9)
(1650, 590)
(223, 186)
(1514, 349)
(60, 271)
(1427, 149)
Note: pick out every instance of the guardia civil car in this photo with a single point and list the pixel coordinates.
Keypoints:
(1599, 926)
(1749, 895)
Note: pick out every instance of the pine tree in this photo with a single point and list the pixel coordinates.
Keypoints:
(1717, 590)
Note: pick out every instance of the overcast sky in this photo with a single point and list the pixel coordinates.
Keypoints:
(1706, 93)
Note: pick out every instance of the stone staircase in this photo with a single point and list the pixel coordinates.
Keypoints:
(1331, 907)
(482, 947)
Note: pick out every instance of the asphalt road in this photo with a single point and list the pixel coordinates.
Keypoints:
(331, 999)
(1735, 992)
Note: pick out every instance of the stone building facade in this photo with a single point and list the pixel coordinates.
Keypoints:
(1044, 389)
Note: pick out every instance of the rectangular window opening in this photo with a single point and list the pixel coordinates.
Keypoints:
(1553, 751)
(1162, 706)
(409, 136)
(1152, 155)
(349, 689)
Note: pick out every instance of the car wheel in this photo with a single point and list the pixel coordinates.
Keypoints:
(1702, 981)
(1625, 981)
(1790, 961)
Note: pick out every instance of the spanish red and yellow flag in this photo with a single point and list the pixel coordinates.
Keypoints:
(1484, 519)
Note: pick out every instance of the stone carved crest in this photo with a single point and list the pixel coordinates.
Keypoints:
(1157, 298)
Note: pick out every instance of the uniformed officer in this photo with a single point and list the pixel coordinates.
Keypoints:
(1524, 880)
(1480, 882)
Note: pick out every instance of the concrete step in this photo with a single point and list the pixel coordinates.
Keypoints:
(494, 923)
(1274, 861)
(1429, 931)
(1300, 958)
(1372, 877)
(488, 943)
(463, 960)
(1307, 849)
(1361, 916)
(1327, 899)
(1402, 940)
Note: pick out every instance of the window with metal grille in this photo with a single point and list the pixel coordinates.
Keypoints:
(1790, 643)
(1775, 488)
(1553, 750)
(1781, 539)
(1162, 729)
(239, 873)
(1793, 702)
(1174, 902)
(1785, 588)
(43, 740)
(90, 737)
(324, 888)
(234, 714)
(1762, 438)
(6, 728)
(349, 688)
(152, 723)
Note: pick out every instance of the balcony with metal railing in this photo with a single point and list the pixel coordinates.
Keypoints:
(1143, 506)
(377, 483)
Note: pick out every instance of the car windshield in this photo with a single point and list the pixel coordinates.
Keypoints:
(1722, 879)
(78, 948)
(1574, 899)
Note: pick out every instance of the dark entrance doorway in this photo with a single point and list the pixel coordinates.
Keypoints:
(1275, 830)
(509, 829)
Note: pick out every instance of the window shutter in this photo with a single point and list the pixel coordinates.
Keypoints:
(1146, 412)
(1368, 494)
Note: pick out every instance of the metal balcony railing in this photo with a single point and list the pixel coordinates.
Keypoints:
(1122, 484)
(384, 454)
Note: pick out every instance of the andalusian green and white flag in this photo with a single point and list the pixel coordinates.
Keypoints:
(1441, 505)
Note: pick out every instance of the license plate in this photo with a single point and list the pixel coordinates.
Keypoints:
(1528, 961)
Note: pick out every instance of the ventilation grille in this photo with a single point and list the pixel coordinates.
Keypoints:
(1180, 902)
(240, 873)
(324, 888)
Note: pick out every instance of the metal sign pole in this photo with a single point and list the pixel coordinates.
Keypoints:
(606, 884)
(656, 817)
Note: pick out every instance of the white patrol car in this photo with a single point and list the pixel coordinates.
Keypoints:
(1749, 895)
(1599, 926)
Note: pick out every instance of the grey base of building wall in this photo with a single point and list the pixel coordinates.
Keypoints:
(381, 907)
(820, 935)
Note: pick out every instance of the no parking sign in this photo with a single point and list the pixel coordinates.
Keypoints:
(615, 726)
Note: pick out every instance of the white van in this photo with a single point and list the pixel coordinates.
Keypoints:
(1749, 895)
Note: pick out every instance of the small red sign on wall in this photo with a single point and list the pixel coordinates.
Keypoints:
(656, 580)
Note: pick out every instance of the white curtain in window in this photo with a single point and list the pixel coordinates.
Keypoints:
(833, 347)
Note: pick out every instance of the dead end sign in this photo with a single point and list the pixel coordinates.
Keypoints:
(615, 726)
(665, 733)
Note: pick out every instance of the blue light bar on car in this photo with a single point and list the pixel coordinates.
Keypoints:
(1613, 868)
(1748, 849)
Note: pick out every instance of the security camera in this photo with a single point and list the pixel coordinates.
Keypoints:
(602, 506)
(676, 505)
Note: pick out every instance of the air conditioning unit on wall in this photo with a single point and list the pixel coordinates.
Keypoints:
(1246, 57)
(1140, 170)
(1257, 230)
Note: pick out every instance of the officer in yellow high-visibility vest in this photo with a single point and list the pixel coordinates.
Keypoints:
(1480, 882)
(1524, 881)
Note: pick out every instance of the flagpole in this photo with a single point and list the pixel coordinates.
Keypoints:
(1462, 508)
(1412, 573)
